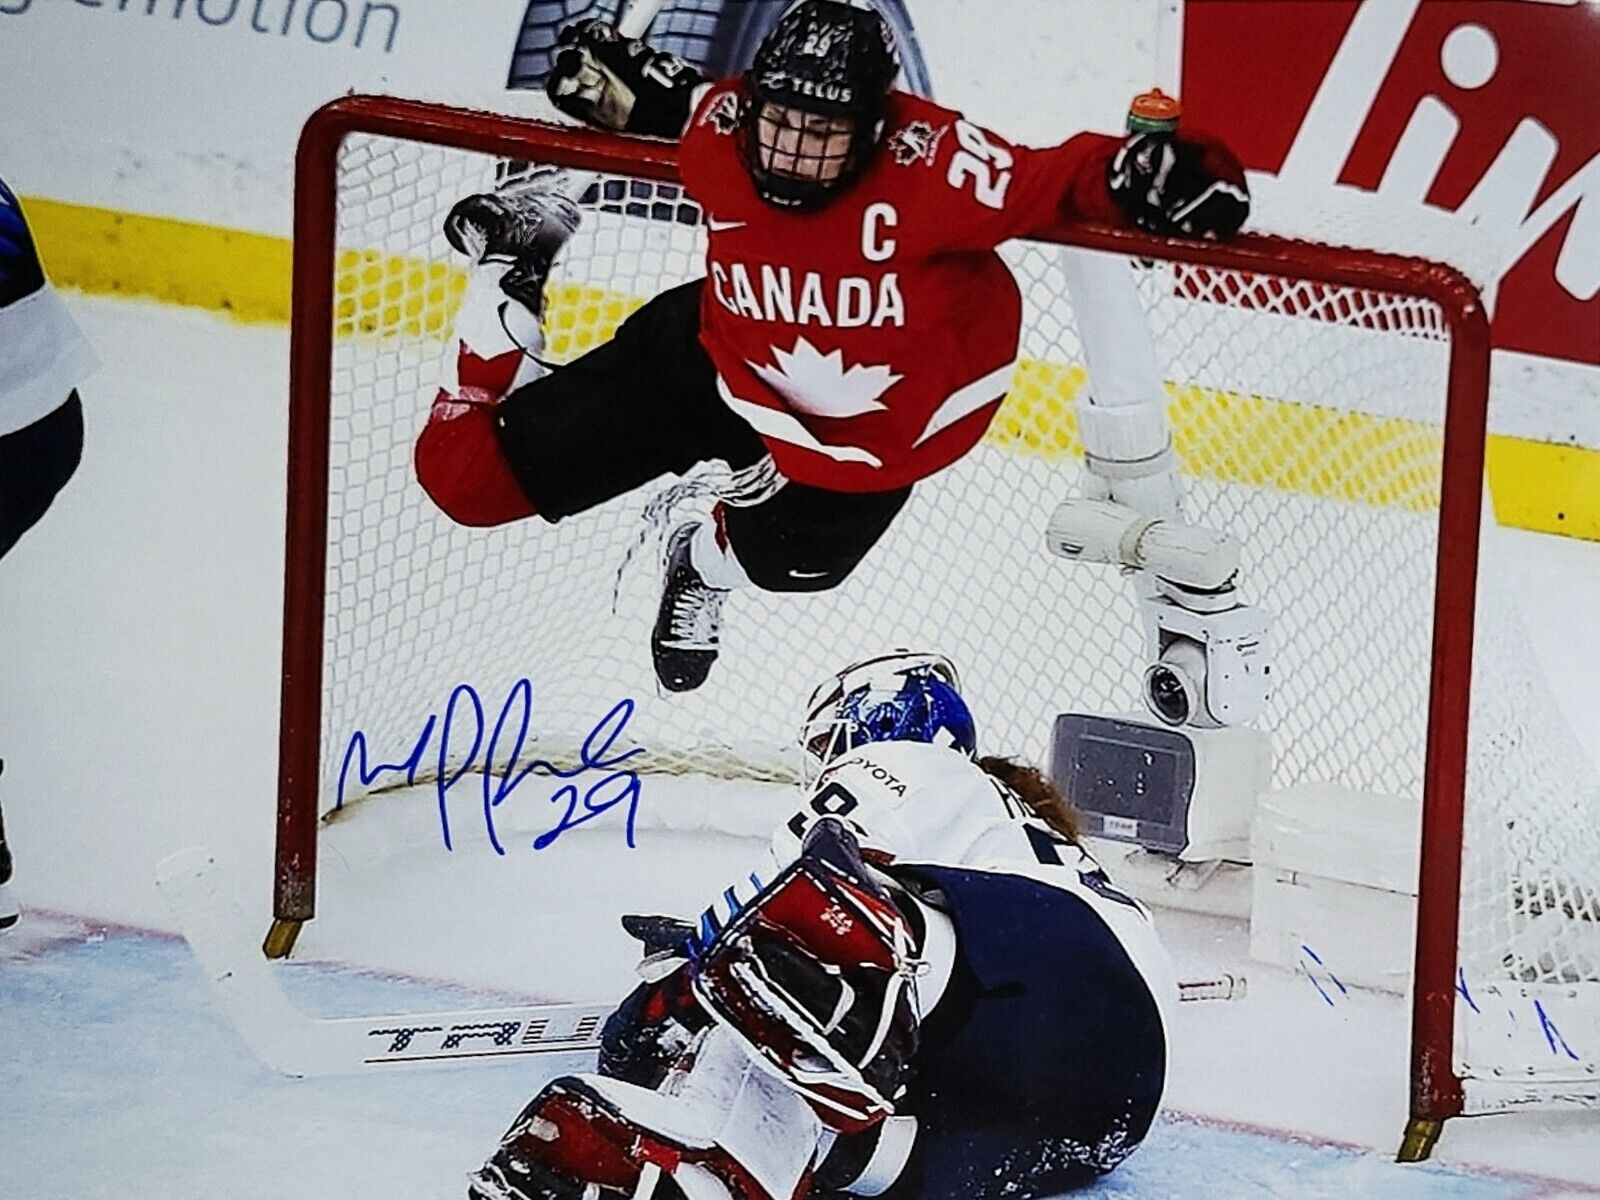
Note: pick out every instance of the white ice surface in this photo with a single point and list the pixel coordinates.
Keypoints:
(138, 715)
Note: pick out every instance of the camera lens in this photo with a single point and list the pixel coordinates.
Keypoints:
(1165, 693)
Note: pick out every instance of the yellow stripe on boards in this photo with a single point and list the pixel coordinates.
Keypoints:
(105, 253)
(1234, 438)
(385, 295)
(579, 317)
(1545, 487)
(1225, 436)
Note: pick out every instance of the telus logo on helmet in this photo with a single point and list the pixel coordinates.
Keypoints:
(836, 93)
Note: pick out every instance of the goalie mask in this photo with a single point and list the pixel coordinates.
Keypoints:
(899, 697)
(818, 90)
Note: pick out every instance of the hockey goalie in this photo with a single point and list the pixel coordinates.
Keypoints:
(934, 993)
(854, 333)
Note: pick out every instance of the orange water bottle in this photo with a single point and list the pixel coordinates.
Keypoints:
(1154, 112)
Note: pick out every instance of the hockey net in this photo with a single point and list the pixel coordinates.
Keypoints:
(1327, 407)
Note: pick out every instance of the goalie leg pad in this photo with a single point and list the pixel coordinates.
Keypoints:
(718, 1129)
(576, 1140)
(814, 977)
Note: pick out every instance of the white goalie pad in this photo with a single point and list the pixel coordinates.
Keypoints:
(720, 1100)
(756, 1118)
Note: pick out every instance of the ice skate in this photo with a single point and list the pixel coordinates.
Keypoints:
(9, 913)
(688, 626)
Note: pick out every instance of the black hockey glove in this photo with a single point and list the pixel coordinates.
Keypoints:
(605, 79)
(642, 1040)
(1186, 184)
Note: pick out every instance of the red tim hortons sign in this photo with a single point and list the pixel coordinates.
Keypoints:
(1486, 109)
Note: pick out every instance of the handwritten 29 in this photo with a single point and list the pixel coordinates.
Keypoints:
(500, 768)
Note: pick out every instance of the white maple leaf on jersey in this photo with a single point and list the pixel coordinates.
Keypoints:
(820, 385)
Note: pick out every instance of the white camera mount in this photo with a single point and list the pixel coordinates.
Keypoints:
(1210, 655)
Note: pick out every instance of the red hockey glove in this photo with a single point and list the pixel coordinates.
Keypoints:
(1188, 184)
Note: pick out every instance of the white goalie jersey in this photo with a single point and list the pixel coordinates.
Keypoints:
(918, 805)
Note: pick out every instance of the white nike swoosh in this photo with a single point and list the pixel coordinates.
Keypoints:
(717, 226)
(793, 574)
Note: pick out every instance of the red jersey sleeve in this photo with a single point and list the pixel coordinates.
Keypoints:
(987, 190)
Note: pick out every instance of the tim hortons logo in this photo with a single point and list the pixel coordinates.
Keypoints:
(1487, 110)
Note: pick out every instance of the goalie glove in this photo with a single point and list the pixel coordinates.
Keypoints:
(605, 79)
(1175, 184)
(814, 978)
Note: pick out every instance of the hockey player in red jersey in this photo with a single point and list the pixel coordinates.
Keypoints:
(928, 991)
(855, 331)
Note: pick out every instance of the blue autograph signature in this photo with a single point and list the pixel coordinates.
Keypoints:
(1552, 1035)
(500, 779)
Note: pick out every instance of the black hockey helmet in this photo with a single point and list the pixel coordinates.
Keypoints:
(818, 90)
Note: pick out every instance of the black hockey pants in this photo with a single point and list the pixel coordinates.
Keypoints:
(645, 404)
(35, 464)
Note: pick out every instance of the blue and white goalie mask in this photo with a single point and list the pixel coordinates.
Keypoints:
(899, 697)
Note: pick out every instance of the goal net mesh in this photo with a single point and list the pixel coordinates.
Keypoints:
(1306, 418)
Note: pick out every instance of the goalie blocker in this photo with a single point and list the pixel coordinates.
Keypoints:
(814, 979)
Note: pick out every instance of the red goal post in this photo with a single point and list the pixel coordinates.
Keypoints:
(1251, 272)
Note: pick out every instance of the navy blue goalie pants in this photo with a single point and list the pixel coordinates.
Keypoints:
(1042, 1067)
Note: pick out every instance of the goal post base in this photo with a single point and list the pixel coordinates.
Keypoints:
(280, 939)
(1420, 1138)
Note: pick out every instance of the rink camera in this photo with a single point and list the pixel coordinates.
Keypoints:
(1185, 783)
(1208, 669)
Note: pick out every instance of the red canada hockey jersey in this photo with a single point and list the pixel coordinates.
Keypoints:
(870, 341)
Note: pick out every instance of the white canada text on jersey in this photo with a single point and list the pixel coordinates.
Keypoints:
(776, 293)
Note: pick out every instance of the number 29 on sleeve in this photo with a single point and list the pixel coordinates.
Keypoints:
(979, 160)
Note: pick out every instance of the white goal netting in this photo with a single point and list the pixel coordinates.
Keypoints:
(1307, 418)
